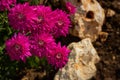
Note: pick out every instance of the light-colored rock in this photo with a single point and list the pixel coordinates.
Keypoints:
(103, 36)
(31, 74)
(110, 13)
(81, 62)
(88, 19)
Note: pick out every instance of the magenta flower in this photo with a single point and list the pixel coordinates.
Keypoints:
(18, 47)
(43, 18)
(71, 8)
(20, 17)
(59, 56)
(41, 44)
(6, 4)
(61, 23)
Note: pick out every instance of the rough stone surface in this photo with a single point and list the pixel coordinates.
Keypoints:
(32, 75)
(81, 63)
(88, 19)
(103, 36)
(110, 13)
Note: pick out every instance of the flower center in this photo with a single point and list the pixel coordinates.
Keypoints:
(58, 56)
(41, 42)
(69, 8)
(17, 47)
(60, 23)
(40, 19)
(20, 16)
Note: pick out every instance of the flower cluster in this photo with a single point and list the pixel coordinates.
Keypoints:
(61, 23)
(41, 44)
(25, 18)
(6, 4)
(20, 17)
(59, 56)
(71, 8)
(43, 19)
(18, 47)
(44, 25)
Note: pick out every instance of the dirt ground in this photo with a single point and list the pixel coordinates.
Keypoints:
(109, 51)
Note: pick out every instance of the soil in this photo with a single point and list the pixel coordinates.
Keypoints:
(109, 51)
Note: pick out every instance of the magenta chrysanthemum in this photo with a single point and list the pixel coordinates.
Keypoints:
(41, 44)
(20, 17)
(18, 47)
(59, 56)
(61, 23)
(5, 4)
(71, 8)
(43, 18)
